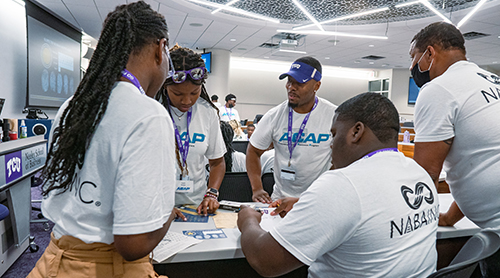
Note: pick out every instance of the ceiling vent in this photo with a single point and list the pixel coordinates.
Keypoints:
(474, 35)
(373, 57)
(269, 45)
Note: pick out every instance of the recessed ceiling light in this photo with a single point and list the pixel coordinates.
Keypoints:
(266, 57)
(356, 62)
(233, 40)
(494, 62)
(241, 48)
(371, 63)
(371, 45)
(195, 24)
(327, 58)
(499, 37)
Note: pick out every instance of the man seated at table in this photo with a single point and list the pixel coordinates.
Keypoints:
(375, 215)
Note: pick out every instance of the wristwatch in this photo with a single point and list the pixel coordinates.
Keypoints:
(213, 191)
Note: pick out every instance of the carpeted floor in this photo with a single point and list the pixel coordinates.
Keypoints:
(22, 267)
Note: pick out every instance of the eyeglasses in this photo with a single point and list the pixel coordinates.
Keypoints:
(195, 73)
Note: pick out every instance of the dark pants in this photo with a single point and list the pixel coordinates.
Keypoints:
(490, 267)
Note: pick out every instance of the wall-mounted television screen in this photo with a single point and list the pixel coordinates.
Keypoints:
(413, 91)
(53, 58)
(207, 58)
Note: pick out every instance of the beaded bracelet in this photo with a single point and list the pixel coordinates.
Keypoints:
(211, 196)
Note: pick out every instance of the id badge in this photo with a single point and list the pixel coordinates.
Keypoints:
(288, 174)
(184, 186)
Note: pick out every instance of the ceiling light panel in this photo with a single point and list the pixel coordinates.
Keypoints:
(287, 12)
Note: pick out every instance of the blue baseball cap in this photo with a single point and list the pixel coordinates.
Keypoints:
(302, 72)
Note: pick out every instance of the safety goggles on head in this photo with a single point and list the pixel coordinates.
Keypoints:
(195, 73)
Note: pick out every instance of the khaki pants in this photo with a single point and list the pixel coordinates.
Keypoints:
(71, 257)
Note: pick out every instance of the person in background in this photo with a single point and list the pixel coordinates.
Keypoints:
(257, 119)
(456, 123)
(197, 132)
(239, 135)
(250, 130)
(362, 219)
(235, 161)
(215, 101)
(111, 156)
(299, 128)
(228, 112)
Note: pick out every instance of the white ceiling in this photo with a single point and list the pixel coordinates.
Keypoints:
(218, 30)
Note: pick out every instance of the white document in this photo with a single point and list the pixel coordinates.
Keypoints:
(267, 221)
(172, 244)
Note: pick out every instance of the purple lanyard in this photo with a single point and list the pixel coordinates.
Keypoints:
(127, 74)
(380, 151)
(301, 129)
(183, 148)
(228, 113)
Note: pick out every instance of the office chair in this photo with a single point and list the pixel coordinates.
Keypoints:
(477, 248)
(268, 182)
(236, 187)
(240, 146)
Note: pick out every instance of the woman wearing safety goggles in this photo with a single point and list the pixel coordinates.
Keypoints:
(197, 132)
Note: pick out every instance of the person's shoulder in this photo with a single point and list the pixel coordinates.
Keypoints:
(205, 108)
(130, 99)
(280, 108)
(327, 103)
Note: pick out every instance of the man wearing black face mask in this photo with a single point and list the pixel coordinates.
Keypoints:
(227, 112)
(457, 117)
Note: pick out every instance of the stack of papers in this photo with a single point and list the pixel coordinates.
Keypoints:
(172, 244)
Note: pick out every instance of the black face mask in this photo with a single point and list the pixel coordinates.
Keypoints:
(230, 105)
(421, 77)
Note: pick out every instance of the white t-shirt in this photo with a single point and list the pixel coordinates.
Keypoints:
(239, 162)
(267, 161)
(358, 221)
(206, 141)
(464, 103)
(227, 114)
(126, 185)
(311, 156)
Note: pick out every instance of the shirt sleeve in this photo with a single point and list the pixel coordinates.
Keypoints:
(435, 113)
(325, 216)
(145, 181)
(262, 137)
(216, 146)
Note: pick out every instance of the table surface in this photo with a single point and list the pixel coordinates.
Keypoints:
(230, 247)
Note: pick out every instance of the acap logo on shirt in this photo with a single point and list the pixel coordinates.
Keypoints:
(309, 138)
(196, 137)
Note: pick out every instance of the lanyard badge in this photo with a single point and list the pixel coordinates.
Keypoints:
(128, 75)
(291, 146)
(183, 146)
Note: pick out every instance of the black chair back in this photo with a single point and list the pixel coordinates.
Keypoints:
(268, 182)
(479, 247)
(235, 187)
(240, 146)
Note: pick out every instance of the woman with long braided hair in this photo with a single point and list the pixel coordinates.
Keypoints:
(198, 135)
(235, 161)
(109, 183)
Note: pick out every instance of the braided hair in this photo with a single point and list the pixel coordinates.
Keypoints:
(228, 134)
(184, 58)
(128, 29)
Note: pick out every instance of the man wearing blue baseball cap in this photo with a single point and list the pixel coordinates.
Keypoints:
(300, 131)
